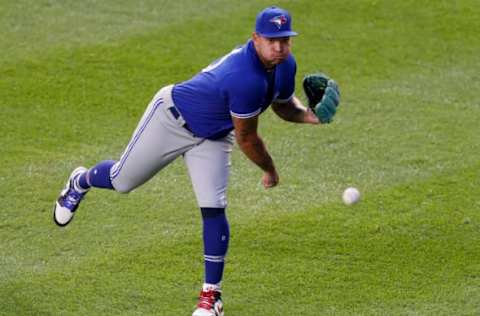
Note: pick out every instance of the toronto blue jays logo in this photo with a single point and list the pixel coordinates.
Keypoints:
(279, 20)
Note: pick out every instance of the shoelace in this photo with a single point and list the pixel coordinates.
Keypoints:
(207, 299)
(72, 198)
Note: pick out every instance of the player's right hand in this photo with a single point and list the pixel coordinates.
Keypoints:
(310, 117)
(270, 179)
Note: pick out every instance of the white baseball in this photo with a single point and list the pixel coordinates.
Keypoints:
(351, 196)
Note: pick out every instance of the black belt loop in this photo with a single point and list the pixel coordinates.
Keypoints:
(176, 115)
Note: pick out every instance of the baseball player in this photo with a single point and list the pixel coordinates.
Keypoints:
(199, 120)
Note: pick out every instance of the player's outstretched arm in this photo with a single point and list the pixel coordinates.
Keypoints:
(253, 147)
(295, 111)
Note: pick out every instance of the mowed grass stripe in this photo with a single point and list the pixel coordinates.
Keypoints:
(153, 44)
(38, 28)
(398, 250)
(91, 102)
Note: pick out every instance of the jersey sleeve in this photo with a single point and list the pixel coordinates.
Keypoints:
(286, 80)
(244, 95)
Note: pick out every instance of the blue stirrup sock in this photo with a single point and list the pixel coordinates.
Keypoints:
(216, 235)
(97, 176)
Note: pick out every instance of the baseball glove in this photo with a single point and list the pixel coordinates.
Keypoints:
(323, 96)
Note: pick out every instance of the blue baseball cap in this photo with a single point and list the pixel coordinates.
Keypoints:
(274, 22)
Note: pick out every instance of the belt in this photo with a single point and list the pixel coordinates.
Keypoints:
(176, 115)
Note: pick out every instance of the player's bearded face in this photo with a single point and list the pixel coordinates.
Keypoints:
(272, 51)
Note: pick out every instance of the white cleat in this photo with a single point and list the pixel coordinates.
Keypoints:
(69, 200)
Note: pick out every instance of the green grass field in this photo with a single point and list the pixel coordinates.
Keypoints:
(75, 77)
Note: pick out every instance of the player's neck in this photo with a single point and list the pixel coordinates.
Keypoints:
(267, 65)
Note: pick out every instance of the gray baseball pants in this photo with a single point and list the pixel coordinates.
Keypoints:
(159, 139)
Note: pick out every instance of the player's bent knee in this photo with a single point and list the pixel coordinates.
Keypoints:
(122, 187)
(123, 190)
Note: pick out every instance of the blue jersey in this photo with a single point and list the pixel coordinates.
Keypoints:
(235, 85)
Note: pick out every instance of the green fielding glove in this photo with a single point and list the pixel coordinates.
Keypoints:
(314, 86)
(327, 107)
(322, 94)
